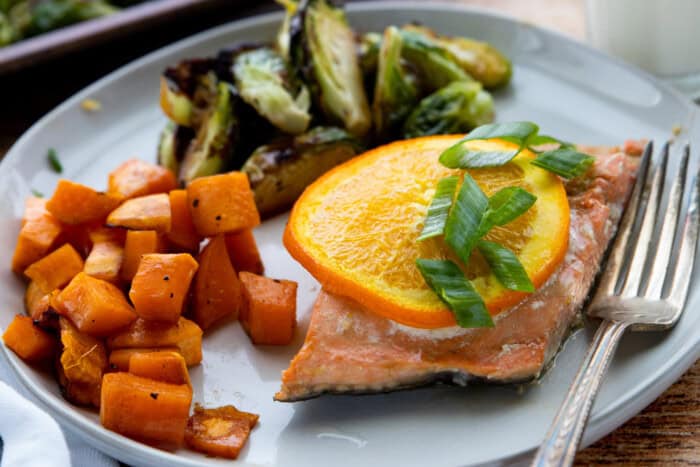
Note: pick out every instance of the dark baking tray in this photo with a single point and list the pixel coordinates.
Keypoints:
(131, 19)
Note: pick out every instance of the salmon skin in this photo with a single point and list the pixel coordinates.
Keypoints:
(349, 349)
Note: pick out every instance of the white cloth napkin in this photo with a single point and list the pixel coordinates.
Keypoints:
(31, 438)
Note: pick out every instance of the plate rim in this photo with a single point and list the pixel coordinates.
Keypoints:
(111, 443)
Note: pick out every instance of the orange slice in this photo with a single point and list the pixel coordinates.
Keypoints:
(355, 229)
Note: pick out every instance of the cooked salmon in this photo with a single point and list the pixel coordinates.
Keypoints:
(349, 349)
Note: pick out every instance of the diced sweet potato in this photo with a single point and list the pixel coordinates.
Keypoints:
(185, 335)
(138, 178)
(73, 203)
(222, 204)
(36, 301)
(243, 252)
(150, 212)
(217, 290)
(164, 365)
(107, 254)
(268, 312)
(221, 432)
(95, 306)
(78, 236)
(40, 233)
(145, 409)
(160, 286)
(56, 269)
(81, 366)
(139, 243)
(34, 208)
(28, 341)
(119, 358)
(182, 232)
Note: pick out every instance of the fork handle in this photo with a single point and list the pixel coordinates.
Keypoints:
(560, 445)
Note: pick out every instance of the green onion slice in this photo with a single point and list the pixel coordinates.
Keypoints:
(506, 266)
(565, 161)
(463, 226)
(439, 208)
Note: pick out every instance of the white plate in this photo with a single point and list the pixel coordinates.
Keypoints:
(571, 91)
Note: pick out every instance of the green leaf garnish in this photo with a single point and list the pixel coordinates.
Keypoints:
(463, 226)
(53, 161)
(508, 204)
(460, 156)
(37, 193)
(566, 162)
(505, 266)
(449, 283)
(439, 208)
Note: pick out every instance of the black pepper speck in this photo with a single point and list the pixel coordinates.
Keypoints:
(154, 395)
(166, 278)
(195, 203)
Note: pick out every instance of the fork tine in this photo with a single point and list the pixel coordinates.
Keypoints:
(618, 252)
(648, 207)
(686, 254)
(661, 246)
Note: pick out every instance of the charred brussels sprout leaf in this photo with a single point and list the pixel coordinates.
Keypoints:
(395, 92)
(280, 171)
(175, 104)
(456, 108)
(322, 48)
(481, 60)
(434, 64)
(264, 81)
(212, 149)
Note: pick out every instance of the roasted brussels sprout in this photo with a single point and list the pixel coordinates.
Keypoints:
(175, 104)
(174, 141)
(188, 90)
(368, 52)
(280, 171)
(31, 17)
(395, 92)
(322, 50)
(212, 149)
(457, 108)
(264, 81)
(481, 60)
(435, 66)
(6, 33)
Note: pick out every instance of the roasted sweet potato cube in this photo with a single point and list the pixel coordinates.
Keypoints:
(182, 233)
(268, 312)
(81, 366)
(217, 290)
(107, 254)
(119, 358)
(95, 306)
(56, 269)
(36, 301)
(138, 178)
(28, 341)
(222, 204)
(243, 252)
(160, 286)
(145, 409)
(139, 243)
(40, 233)
(34, 208)
(185, 335)
(151, 212)
(221, 432)
(167, 366)
(73, 203)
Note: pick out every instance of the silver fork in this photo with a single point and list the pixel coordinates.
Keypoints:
(641, 289)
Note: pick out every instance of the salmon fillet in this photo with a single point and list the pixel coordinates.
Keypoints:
(349, 349)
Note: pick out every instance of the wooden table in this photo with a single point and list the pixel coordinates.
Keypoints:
(665, 433)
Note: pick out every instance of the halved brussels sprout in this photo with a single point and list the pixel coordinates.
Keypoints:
(264, 81)
(322, 49)
(175, 104)
(173, 142)
(188, 90)
(436, 67)
(212, 149)
(368, 51)
(481, 60)
(395, 92)
(457, 108)
(280, 171)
